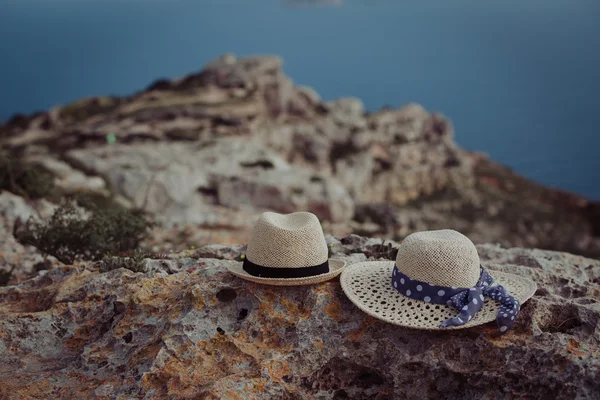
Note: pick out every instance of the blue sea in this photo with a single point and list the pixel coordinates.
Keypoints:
(519, 79)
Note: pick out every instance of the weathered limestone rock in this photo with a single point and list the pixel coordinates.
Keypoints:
(179, 183)
(214, 148)
(17, 262)
(74, 333)
(69, 179)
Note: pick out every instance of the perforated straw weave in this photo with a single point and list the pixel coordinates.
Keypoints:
(293, 240)
(431, 257)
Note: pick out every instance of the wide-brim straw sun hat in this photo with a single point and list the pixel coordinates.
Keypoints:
(437, 282)
(287, 250)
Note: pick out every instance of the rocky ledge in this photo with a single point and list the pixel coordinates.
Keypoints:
(203, 156)
(213, 149)
(187, 329)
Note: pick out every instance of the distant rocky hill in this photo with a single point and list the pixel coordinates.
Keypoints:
(206, 153)
(203, 156)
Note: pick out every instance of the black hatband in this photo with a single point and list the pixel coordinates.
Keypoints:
(270, 272)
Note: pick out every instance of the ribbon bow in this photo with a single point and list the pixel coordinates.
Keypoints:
(467, 300)
(470, 301)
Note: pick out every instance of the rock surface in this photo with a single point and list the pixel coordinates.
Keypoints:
(211, 150)
(181, 183)
(187, 329)
(204, 155)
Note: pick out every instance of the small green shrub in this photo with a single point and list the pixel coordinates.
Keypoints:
(25, 179)
(134, 263)
(386, 251)
(158, 256)
(70, 237)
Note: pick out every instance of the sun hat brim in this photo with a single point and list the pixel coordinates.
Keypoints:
(335, 268)
(369, 286)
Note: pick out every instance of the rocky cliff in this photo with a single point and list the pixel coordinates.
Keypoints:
(187, 329)
(203, 155)
(211, 150)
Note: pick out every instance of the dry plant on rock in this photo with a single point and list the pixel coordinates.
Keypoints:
(134, 263)
(70, 236)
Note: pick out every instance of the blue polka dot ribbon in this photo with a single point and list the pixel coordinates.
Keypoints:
(466, 300)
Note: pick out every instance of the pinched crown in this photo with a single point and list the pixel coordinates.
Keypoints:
(287, 241)
(443, 258)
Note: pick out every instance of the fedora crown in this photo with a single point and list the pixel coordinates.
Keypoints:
(287, 241)
(443, 258)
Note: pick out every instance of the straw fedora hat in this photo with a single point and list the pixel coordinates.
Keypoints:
(287, 250)
(437, 282)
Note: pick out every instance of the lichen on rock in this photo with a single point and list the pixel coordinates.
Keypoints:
(204, 333)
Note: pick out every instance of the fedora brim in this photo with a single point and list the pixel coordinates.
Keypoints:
(369, 286)
(335, 268)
